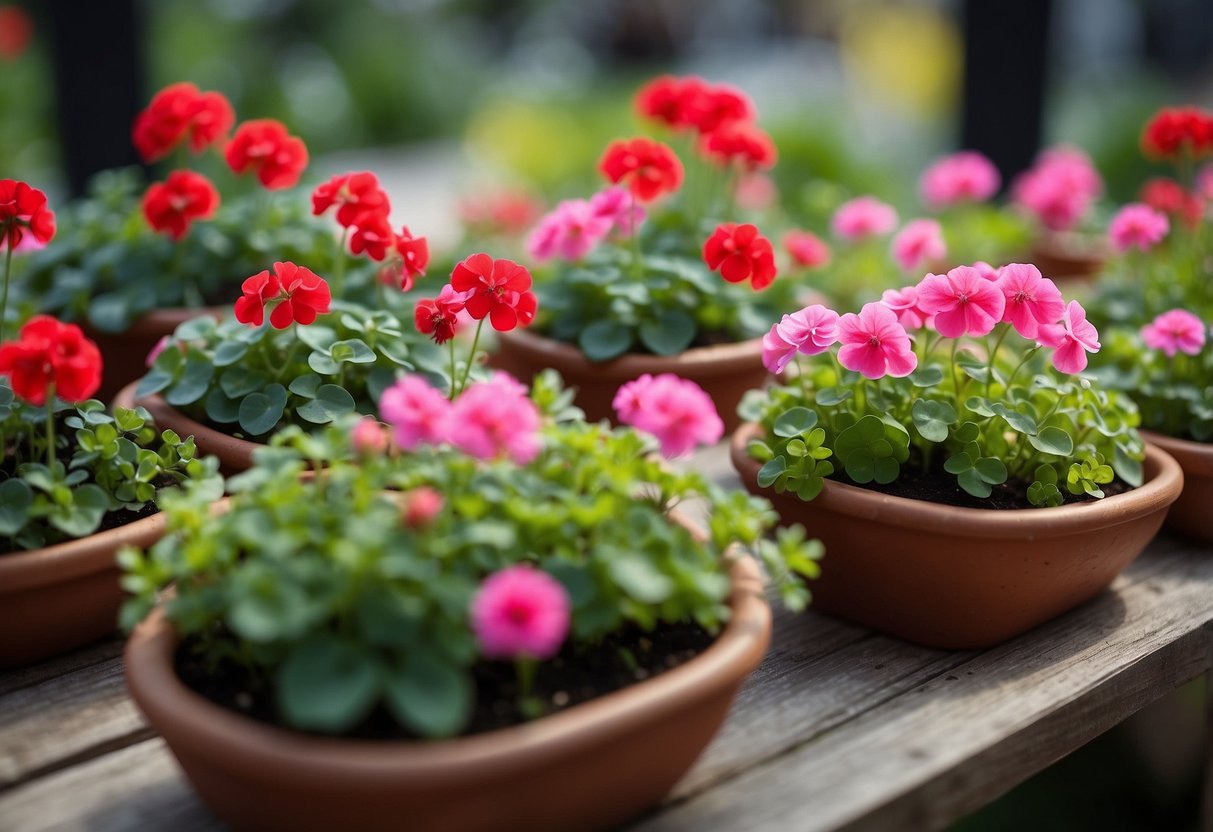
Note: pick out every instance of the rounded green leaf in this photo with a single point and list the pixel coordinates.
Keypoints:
(604, 340)
(260, 412)
(328, 684)
(331, 402)
(669, 333)
(431, 696)
(15, 500)
(770, 472)
(795, 421)
(1053, 440)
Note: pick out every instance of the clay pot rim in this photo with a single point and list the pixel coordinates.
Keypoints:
(1194, 457)
(1162, 486)
(715, 360)
(184, 425)
(73, 559)
(253, 749)
(155, 321)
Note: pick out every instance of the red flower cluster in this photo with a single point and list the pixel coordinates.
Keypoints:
(499, 290)
(177, 111)
(23, 209)
(1178, 132)
(265, 146)
(1173, 199)
(300, 294)
(740, 252)
(648, 168)
(439, 318)
(408, 262)
(16, 31)
(742, 142)
(354, 194)
(171, 206)
(692, 103)
(47, 353)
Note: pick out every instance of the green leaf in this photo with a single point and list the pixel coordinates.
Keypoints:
(1018, 420)
(194, 381)
(15, 501)
(221, 409)
(82, 515)
(927, 376)
(640, 578)
(972, 482)
(794, 422)
(668, 334)
(331, 403)
(229, 352)
(991, 470)
(328, 684)
(1127, 467)
(305, 385)
(831, 396)
(237, 382)
(430, 696)
(932, 419)
(352, 351)
(958, 464)
(261, 412)
(1053, 440)
(770, 472)
(323, 363)
(604, 340)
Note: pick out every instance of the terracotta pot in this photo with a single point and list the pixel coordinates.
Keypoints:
(590, 767)
(961, 578)
(1069, 255)
(63, 596)
(235, 454)
(1192, 514)
(124, 354)
(726, 371)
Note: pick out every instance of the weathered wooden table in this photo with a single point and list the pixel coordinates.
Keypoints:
(840, 728)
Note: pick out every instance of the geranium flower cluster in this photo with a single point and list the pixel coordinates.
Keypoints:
(1059, 188)
(575, 227)
(297, 295)
(499, 290)
(721, 116)
(676, 411)
(1178, 133)
(964, 177)
(50, 359)
(1171, 198)
(25, 220)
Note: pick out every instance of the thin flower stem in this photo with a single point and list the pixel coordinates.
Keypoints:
(955, 374)
(994, 354)
(50, 426)
(451, 343)
(1027, 357)
(339, 265)
(8, 272)
(467, 372)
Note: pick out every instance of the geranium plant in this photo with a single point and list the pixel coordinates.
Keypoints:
(66, 465)
(659, 261)
(946, 382)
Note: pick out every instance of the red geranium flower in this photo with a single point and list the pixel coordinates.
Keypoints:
(171, 206)
(739, 252)
(1178, 131)
(648, 168)
(409, 261)
(265, 146)
(179, 110)
(23, 209)
(740, 141)
(497, 289)
(300, 293)
(49, 352)
(355, 194)
(1171, 198)
(16, 31)
(669, 100)
(372, 236)
(439, 318)
(714, 105)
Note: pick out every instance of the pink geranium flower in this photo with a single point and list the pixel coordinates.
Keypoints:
(919, 243)
(864, 217)
(806, 249)
(1032, 300)
(986, 270)
(1059, 188)
(421, 505)
(570, 231)
(520, 612)
(967, 176)
(418, 413)
(368, 437)
(1072, 339)
(674, 410)
(904, 303)
(874, 344)
(809, 331)
(495, 418)
(962, 301)
(617, 204)
(1175, 331)
(1137, 225)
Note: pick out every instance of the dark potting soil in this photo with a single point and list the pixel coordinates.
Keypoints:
(574, 676)
(939, 486)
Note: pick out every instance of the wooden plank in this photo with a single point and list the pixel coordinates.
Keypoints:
(953, 743)
(22, 677)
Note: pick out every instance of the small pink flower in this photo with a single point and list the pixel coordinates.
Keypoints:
(962, 301)
(495, 418)
(863, 217)
(1059, 188)
(421, 505)
(806, 249)
(967, 176)
(987, 271)
(156, 349)
(418, 413)
(1032, 300)
(904, 303)
(617, 204)
(1137, 225)
(810, 331)
(919, 243)
(1175, 331)
(874, 344)
(368, 437)
(755, 191)
(674, 410)
(520, 612)
(1072, 339)
(570, 231)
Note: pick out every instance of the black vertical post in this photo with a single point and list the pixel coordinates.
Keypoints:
(1006, 58)
(97, 50)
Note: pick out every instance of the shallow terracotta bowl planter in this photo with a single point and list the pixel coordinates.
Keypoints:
(63, 596)
(725, 371)
(1192, 514)
(961, 578)
(235, 454)
(124, 354)
(1069, 256)
(590, 767)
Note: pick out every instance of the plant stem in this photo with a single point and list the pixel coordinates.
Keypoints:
(955, 375)
(50, 426)
(339, 264)
(8, 271)
(451, 344)
(528, 705)
(467, 372)
(993, 354)
(1027, 357)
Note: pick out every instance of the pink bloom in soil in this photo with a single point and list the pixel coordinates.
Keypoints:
(904, 303)
(368, 437)
(1032, 300)
(864, 217)
(674, 410)
(1175, 331)
(1059, 187)
(617, 204)
(495, 418)
(570, 231)
(806, 249)
(874, 344)
(1072, 339)
(962, 301)
(1137, 225)
(967, 176)
(418, 413)
(919, 243)
(810, 331)
(421, 505)
(520, 612)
